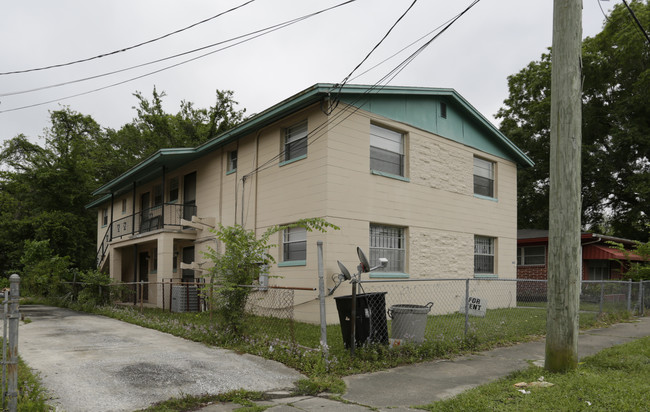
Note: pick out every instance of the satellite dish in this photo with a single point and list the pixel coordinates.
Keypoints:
(344, 271)
(365, 266)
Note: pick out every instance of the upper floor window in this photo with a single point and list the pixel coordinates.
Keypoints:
(232, 160)
(388, 242)
(173, 189)
(123, 206)
(484, 248)
(531, 255)
(483, 177)
(105, 216)
(294, 244)
(386, 151)
(295, 141)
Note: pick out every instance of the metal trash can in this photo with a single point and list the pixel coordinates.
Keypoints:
(409, 322)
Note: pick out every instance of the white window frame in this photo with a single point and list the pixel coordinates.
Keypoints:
(105, 216)
(295, 141)
(388, 242)
(523, 256)
(484, 170)
(294, 240)
(390, 143)
(485, 248)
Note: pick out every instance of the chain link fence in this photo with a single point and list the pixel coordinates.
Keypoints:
(446, 310)
(394, 312)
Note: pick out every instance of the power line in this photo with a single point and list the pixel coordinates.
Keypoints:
(127, 48)
(318, 132)
(259, 34)
(378, 44)
(636, 20)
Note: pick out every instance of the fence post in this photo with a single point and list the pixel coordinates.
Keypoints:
(5, 303)
(14, 318)
(602, 296)
(466, 306)
(641, 311)
(629, 295)
(321, 296)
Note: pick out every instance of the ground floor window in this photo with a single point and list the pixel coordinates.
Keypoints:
(484, 248)
(598, 270)
(294, 244)
(388, 242)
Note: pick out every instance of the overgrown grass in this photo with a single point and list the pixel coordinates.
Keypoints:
(446, 338)
(190, 402)
(615, 379)
(32, 397)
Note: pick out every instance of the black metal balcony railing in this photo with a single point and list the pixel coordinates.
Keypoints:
(157, 217)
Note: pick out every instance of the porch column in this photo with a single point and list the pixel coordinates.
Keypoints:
(165, 268)
(115, 264)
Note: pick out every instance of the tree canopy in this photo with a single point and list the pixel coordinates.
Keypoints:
(44, 189)
(616, 129)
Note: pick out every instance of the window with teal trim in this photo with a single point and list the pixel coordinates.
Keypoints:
(388, 242)
(386, 151)
(232, 160)
(483, 177)
(105, 216)
(295, 141)
(484, 248)
(294, 244)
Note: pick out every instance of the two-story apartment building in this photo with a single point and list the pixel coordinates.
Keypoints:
(416, 175)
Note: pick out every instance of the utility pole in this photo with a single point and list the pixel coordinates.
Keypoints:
(565, 203)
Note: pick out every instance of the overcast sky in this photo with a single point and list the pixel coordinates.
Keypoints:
(493, 40)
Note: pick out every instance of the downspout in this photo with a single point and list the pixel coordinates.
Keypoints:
(135, 273)
(243, 182)
(599, 239)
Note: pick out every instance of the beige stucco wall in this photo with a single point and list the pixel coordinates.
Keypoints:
(436, 206)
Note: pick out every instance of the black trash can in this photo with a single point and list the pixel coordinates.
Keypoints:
(371, 324)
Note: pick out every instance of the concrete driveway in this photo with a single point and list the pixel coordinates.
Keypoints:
(94, 363)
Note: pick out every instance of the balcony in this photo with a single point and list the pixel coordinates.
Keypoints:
(158, 217)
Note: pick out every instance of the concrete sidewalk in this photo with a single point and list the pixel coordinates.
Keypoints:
(400, 388)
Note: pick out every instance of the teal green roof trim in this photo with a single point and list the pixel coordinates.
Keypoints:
(419, 107)
(412, 105)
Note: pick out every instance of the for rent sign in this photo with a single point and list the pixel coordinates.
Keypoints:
(475, 306)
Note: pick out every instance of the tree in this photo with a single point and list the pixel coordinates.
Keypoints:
(154, 129)
(241, 262)
(44, 189)
(616, 130)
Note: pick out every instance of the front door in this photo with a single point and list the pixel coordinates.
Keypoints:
(188, 257)
(143, 259)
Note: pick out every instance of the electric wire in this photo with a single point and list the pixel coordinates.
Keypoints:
(275, 28)
(375, 88)
(127, 48)
(638, 23)
(345, 80)
(253, 35)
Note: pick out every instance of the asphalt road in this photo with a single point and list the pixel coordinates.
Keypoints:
(94, 363)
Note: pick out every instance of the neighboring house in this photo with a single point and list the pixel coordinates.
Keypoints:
(600, 261)
(415, 175)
